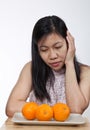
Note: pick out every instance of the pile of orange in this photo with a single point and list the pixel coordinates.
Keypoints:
(29, 110)
(45, 112)
(61, 111)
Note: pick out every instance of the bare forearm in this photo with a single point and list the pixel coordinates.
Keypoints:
(15, 106)
(74, 96)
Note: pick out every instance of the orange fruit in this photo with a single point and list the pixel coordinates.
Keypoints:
(44, 112)
(29, 110)
(61, 111)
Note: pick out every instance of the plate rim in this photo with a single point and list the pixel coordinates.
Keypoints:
(51, 122)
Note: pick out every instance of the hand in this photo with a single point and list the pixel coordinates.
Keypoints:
(71, 48)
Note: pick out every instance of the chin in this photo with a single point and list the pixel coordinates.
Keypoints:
(57, 69)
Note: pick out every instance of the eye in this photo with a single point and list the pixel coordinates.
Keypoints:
(58, 47)
(43, 49)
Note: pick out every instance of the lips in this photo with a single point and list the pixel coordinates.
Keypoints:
(55, 64)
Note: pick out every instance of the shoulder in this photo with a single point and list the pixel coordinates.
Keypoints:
(26, 70)
(27, 66)
(85, 70)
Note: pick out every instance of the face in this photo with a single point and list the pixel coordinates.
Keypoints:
(53, 50)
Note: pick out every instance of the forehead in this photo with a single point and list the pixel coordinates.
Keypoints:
(51, 38)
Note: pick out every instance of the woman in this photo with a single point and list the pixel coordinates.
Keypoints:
(54, 74)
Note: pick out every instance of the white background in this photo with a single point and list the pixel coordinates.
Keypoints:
(17, 18)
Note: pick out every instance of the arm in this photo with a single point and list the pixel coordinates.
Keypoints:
(77, 95)
(20, 92)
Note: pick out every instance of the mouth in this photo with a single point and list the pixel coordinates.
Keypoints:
(55, 64)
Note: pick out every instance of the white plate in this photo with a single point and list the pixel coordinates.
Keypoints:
(74, 119)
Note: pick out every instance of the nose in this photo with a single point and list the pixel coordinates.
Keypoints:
(52, 54)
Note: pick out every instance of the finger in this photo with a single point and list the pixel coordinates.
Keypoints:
(70, 40)
(69, 43)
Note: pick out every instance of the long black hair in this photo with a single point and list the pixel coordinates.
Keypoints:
(40, 71)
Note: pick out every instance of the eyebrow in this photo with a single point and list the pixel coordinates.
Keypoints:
(53, 44)
(58, 42)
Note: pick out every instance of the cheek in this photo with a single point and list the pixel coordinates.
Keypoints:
(63, 52)
(44, 57)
